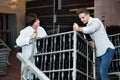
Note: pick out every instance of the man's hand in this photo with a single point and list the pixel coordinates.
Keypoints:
(76, 27)
(92, 43)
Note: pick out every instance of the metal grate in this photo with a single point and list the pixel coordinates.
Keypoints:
(115, 64)
(4, 54)
(65, 56)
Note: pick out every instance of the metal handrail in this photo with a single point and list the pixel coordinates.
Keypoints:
(31, 67)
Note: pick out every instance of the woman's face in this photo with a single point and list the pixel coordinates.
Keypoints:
(36, 23)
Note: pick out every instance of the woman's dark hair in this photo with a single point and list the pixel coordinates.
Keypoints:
(82, 10)
(30, 19)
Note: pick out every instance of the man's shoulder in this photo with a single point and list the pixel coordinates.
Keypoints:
(95, 19)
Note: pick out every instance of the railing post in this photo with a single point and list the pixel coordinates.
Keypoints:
(74, 54)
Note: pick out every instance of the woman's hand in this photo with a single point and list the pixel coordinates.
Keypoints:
(34, 35)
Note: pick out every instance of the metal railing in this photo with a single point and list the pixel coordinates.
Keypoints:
(30, 70)
(63, 56)
(115, 64)
(30, 67)
(4, 55)
(66, 56)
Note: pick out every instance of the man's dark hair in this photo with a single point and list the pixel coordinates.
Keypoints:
(30, 19)
(82, 10)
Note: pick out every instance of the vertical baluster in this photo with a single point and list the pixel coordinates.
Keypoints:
(45, 62)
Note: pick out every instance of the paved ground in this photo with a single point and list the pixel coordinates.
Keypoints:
(13, 71)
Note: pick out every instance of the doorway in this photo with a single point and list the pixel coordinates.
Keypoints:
(8, 30)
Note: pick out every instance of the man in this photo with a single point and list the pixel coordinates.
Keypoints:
(104, 48)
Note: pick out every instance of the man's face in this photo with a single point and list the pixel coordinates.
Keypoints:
(84, 17)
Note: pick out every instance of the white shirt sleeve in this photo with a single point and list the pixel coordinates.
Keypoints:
(41, 32)
(91, 27)
(23, 39)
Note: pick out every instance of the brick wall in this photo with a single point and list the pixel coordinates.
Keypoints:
(109, 10)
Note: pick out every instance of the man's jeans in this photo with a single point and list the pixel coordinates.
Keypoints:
(103, 63)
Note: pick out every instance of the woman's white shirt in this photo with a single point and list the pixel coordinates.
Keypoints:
(24, 41)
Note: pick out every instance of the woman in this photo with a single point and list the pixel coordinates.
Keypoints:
(31, 31)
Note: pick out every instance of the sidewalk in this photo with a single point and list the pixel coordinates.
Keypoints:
(13, 71)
